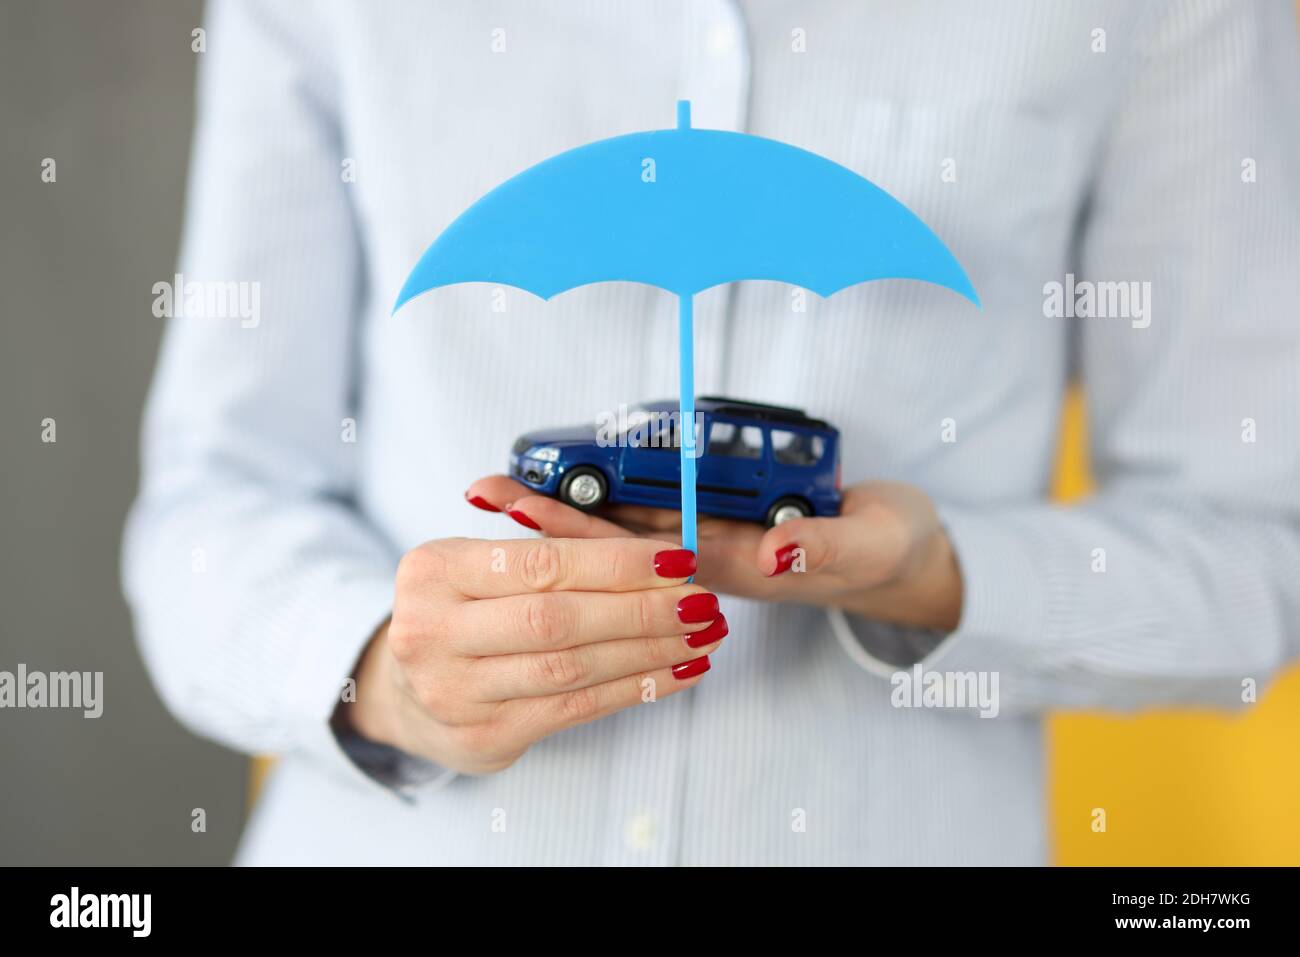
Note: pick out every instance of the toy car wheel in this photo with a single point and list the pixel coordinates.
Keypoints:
(785, 509)
(584, 488)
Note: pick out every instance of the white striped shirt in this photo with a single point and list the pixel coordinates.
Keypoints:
(334, 145)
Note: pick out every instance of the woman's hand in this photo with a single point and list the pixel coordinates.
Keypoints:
(494, 645)
(885, 556)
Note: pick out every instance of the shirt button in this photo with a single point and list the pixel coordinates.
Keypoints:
(639, 832)
(722, 41)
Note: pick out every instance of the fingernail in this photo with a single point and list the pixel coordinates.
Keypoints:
(689, 669)
(523, 519)
(784, 559)
(715, 632)
(694, 609)
(478, 501)
(675, 563)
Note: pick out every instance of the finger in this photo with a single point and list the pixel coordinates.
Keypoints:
(494, 492)
(726, 547)
(727, 564)
(865, 543)
(558, 520)
(509, 677)
(543, 716)
(478, 568)
(797, 546)
(549, 621)
(645, 517)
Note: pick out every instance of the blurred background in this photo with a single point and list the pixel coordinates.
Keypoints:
(106, 90)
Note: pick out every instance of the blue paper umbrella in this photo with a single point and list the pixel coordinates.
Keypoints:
(685, 209)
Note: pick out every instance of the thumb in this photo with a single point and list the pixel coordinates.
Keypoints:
(866, 543)
(800, 545)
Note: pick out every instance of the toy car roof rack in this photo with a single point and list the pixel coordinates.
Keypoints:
(762, 411)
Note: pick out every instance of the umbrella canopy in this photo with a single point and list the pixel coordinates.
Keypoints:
(685, 209)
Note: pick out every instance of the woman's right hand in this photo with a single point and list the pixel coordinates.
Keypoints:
(494, 645)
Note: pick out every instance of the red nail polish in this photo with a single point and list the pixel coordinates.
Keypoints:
(689, 669)
(478, 501)
(784, 559)
(715, 632)
(675, 563)
(523, 519)
(694, 609)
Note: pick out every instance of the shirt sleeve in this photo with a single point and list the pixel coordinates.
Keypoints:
(1179, 582)
(254, 580)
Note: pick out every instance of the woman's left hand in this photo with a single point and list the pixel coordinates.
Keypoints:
(885, 556)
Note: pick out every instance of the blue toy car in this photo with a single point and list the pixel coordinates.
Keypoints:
(761, 463)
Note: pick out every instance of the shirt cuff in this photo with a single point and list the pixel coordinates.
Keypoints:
(879, 647)
(1004, 616)
(347, 616)
(396, 770)
(1006, 593)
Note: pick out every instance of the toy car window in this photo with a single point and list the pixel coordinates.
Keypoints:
(655, 433)
(797, 448)
(741, 442)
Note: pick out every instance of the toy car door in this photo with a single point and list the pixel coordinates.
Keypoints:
(732, 472)
(650, 467)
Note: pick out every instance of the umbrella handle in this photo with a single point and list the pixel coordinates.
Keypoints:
(686, 369)
(686, 388)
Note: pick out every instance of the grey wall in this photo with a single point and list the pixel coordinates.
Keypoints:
(106, 89)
